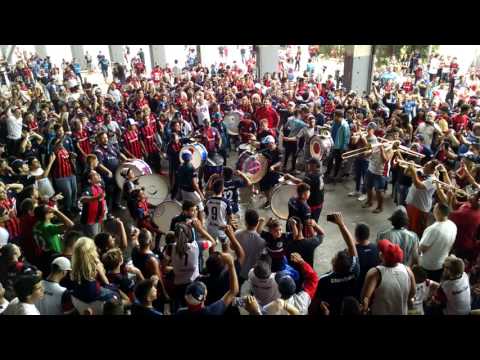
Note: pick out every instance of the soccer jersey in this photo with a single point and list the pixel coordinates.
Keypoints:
(230, 192)
(218, 209)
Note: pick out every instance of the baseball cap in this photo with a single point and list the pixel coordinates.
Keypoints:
(63, 263)
(268, 140)
(399, 217)
(186, 156)
(195, 293)
(372, 125)
(392, 253)
(131, 121)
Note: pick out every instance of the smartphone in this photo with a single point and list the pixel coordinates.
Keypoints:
(330, 218)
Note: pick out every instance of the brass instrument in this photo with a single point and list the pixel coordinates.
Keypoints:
(405, 164)
(388, 144)
(453, 188)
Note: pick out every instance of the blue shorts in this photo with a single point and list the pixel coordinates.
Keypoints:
(378, 182)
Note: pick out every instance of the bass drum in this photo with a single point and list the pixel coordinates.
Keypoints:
(156, 188)
(231, 121)
(165, 212)
(253, 165)
(320, 147)
(139, 167)
(281, 194)
(45, 187)
(199, 154)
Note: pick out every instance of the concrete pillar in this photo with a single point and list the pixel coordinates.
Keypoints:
(116, 54)
(158, 55)
(41, 50)
(79, 54)
(358, 68)
(267, 59)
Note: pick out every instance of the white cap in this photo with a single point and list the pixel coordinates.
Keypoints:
(63, 263)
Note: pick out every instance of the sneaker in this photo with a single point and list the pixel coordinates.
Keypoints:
(353, 194)
(362, 197)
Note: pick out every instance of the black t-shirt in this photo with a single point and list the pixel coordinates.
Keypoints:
(273, 156)
(306, 247)
(333, 287)
(25, 180)
(217, 285)
(276, 247)
(316, 192)
(185, 176)
(299, 209)
(368, 258)
(230, 189)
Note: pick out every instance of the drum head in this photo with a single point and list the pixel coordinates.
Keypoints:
(315, 147)
(255, 167)
(231, 122)
(280, 196)
(156, 188)
(165, 212)
(196, 155)
(139, 168)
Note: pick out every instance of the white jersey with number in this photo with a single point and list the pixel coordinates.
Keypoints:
(218, 209)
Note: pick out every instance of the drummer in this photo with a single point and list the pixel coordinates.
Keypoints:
(218, 124)
(212, 141)
(273, 155)
(298, 206)
(293, 126)
(247, 128)
(188, 184)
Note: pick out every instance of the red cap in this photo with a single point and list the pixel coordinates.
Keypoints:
(392, 253)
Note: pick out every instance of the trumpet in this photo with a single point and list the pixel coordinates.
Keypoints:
(405, 164)
(451, 187)
(388, 145)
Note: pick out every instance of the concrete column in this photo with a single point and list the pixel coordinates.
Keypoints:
(358, 68)
(41, 50)
(158, 55)
(79, 54)
(116, 54)
(267, 59)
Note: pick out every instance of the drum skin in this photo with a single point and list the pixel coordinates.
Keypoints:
(231, 121)
(199, 154)
(255, 166)
(156, 188)
(165, 212)
(281, 194)
(320, 147)
(138, 166)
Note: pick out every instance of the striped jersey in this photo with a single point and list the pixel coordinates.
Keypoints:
(217, 210)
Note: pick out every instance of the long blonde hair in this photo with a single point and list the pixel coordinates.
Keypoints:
(84, 260)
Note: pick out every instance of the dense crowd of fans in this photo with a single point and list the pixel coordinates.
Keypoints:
(73, 242)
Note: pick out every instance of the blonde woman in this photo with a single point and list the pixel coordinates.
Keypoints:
(88, 273)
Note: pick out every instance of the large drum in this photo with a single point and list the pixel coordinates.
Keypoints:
(156, 188)
(231, 121)
(213, 165)
(45, 187)
(320, 146)
(139, 167)
(254, 165)
(198, 151)
(165, 212)
(281, 194)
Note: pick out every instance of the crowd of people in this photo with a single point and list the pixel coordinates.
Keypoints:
(73, 242)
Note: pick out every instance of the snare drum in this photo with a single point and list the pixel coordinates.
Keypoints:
(254, 165)
(246, 147)
(139, 168)
(281, 194)
(199, 154)
(165, 212)
(320, 147)
(156, 188)
(45, 187)
(231, 121)
(213, 165)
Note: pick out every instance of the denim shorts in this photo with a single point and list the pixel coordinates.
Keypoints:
(378, 182)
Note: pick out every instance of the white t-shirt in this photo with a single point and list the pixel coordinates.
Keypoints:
(3, 236)
(51, 303)
(420, 198)
(440, 236)
(14, 127)
(117, 95)
(434, 65)
(187, 271)
(458, 296)
(301, 301)
(202, 113)
(427, 130)
(422, 293)
(19, 308)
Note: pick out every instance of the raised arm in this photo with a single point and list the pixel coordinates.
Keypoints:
(233, 280)
(347, 236)
(236, 246)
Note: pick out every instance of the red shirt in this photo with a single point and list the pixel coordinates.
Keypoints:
(268, 113)
(62, 166)
(93, 212)
(156, 75)
(83, 141)
(29, 246)
(329, 107)
(211, 138)
(132, 143)
(147, 133)
(246, 127)
(468, 227)
(139, 104)
(407, 86)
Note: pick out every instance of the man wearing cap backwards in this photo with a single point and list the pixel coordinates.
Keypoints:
(437, 241)
(399, 235)
(56, 300)
(196, 294)
(188, 184)
(273, 155)
(29, 290)
(388, 287)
